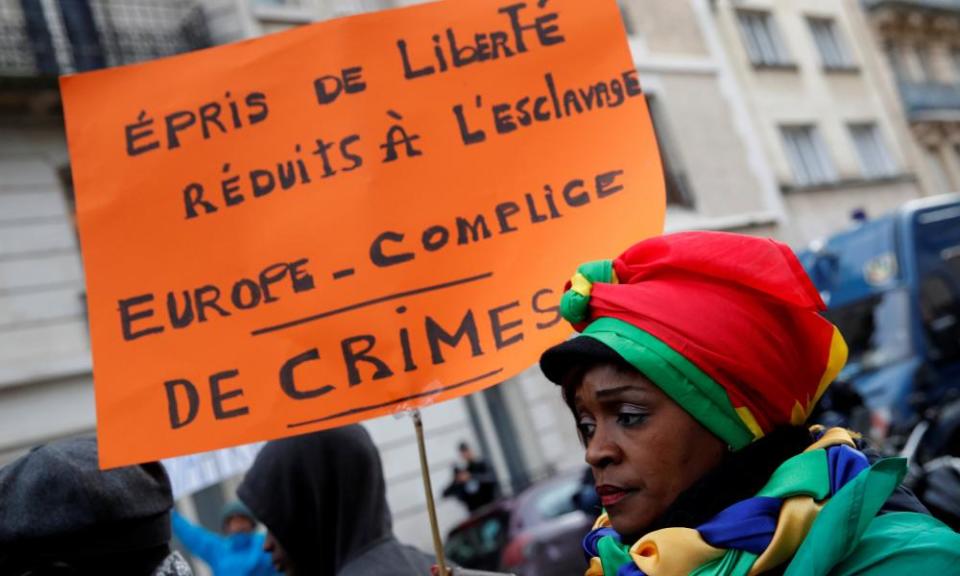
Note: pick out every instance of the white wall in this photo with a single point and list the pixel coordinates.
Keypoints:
(45, 389)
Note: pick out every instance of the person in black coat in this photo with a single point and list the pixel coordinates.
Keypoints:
(474, 482)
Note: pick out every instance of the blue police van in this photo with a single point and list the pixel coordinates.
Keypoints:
(892, 286)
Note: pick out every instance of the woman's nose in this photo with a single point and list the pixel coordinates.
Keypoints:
(602, 449)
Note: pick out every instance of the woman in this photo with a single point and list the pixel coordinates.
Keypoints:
(700, 356)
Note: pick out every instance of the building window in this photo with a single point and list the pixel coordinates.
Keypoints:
(808, 156)
(834, 53)
(895, 58)
(674, 174)
(938, 171)
(925, 63)
(762, 39)
(875, 160)
(955, 59)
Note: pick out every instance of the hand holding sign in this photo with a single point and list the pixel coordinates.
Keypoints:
(350, 218)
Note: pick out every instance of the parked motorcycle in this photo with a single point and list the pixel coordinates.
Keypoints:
(930, 443)
(933, 451)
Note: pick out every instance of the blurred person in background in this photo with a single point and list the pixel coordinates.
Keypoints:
(323, 500)
(586, 498)
(699, 359)
(474, 482)
(237, 552)
(60, 514)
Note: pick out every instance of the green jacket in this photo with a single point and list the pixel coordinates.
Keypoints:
(849, 537)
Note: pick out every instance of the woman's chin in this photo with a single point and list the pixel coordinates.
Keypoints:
(633, 516)
(629, 527)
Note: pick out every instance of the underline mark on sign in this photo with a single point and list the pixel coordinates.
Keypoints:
(365, 303)
(397, 401)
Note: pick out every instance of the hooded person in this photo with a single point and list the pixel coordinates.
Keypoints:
(699, 359)
(61, 514)
(323, 500)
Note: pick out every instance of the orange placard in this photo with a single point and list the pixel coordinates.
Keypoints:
(350, 218)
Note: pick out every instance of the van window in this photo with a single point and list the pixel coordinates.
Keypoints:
(470, 545)
(876, 328)
(938, 259)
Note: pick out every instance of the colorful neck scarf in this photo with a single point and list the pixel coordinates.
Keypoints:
(749, 537)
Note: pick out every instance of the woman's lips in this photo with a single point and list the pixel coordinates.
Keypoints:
(610, 495)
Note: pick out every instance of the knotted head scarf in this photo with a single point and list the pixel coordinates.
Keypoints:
(726, 325)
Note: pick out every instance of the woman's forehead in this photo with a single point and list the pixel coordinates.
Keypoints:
(609, 379)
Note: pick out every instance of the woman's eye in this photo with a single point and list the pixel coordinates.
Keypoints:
(630, 418)
(586, 428)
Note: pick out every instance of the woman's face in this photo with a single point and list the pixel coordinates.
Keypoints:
(643, 448)
(238, 524)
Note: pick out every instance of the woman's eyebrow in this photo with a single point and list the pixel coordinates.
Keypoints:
(616, 390)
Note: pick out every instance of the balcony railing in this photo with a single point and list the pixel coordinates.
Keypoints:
(926, 99)
(45, 39)
(937, 5)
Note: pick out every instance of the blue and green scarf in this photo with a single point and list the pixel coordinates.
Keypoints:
(753, 535)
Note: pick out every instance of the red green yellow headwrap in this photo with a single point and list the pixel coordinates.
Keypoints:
(726, 325)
